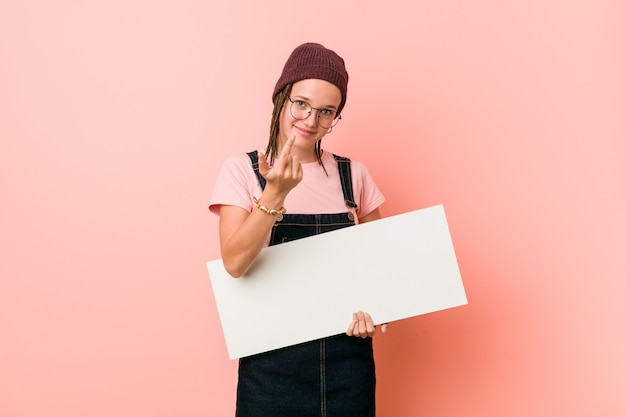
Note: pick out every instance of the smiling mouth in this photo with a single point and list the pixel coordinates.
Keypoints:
(305, 131)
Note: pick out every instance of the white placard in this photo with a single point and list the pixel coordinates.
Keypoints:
(394, 268)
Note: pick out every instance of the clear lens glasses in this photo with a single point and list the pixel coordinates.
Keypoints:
(326, 118)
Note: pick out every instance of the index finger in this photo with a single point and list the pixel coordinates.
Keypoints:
(287, 148)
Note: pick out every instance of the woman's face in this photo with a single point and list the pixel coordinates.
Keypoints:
(317, 93)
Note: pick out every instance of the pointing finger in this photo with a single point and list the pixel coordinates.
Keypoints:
(286, 151)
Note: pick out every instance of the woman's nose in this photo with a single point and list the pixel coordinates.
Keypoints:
(311, 119)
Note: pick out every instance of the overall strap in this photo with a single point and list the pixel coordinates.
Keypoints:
(345, 174)
(254, 157)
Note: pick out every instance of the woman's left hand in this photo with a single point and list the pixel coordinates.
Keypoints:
(362, 325)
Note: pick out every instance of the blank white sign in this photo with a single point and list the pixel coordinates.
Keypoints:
(394, 268)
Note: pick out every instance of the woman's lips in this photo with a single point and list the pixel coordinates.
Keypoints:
(304, 131)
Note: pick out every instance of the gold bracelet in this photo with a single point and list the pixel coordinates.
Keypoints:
(268, 211)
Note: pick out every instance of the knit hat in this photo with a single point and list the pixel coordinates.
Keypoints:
(312, 60)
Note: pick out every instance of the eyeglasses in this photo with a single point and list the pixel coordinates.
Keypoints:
(326, 118)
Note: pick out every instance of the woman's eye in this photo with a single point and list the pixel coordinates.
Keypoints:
(300, 103)
(327, 113)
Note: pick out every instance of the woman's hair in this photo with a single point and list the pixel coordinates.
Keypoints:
(272, 145)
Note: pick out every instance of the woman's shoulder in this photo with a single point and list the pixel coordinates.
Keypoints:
(367, 193)
(235, 183)
(238, 161)
(356, 165)
(240, 157)
(237, 168)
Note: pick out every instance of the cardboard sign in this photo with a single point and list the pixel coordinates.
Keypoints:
(394, 268)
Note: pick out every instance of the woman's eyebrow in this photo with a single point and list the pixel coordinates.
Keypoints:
(308, 100)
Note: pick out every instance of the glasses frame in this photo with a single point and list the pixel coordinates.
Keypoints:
(336, 119)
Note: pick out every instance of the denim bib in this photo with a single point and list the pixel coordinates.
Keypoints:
(329, 377)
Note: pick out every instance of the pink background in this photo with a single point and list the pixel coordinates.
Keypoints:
(115, 117)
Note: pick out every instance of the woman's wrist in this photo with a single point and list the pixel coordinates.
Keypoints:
(273, 212)
(271, 199)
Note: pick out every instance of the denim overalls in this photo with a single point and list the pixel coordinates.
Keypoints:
(329, 377)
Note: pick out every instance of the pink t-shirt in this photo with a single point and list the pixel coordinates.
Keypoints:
(317, 193)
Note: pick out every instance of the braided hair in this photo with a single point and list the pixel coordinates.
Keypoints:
(272, 144)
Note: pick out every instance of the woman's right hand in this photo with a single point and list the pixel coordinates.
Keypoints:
(286, 172)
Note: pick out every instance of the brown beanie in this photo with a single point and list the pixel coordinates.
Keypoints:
(312, 60)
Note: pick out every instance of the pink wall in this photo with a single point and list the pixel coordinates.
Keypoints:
(115, 117)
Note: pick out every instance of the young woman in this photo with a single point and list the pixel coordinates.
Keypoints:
(294, 190)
